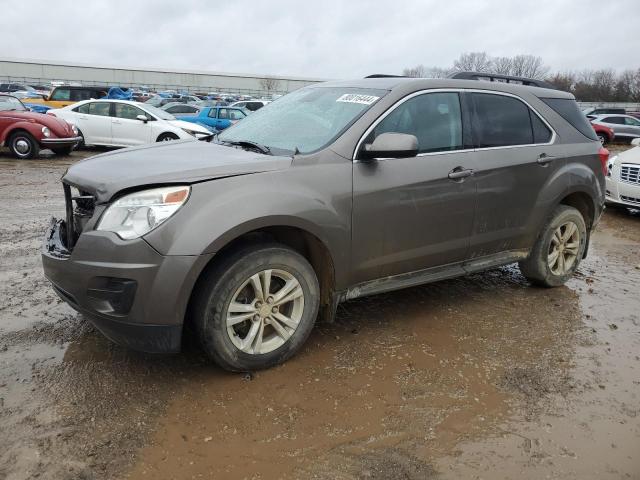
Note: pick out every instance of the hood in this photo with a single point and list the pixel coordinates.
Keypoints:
(175, 162)
(189, 126)
(58, 127)
(628, 156)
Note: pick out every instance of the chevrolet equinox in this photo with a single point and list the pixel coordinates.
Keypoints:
(332, 192)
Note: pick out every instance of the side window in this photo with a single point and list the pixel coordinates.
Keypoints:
(500, 121)
(236, 115)
(631, 121)
(61, 94)
(541, 133)
(127, 111)
(615, 120)
(100, 108)
(84, 108)
(213, 112)
(434, 118)
(78, 95)
(222, 114)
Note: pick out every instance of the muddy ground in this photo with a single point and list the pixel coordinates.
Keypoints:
(479, 377)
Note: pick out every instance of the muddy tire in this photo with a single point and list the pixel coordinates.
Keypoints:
(23, 145)
(256, 308)
(558, 250)
(167, 137)
(62, 150)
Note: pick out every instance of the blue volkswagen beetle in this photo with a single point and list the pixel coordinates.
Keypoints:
(215, 118)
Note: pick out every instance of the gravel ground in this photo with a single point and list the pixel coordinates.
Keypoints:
(478, 377)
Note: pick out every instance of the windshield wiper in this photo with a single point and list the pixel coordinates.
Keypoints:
(246, 143)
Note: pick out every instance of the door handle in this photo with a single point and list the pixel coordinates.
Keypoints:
(116, 122)
(460, 173)
(544, 159)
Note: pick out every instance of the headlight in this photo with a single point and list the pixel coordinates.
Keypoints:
(610, 165)
(138, 213)
(74, 129)
(191, 132)
(46, 132)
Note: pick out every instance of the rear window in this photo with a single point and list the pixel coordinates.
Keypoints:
(568, 109)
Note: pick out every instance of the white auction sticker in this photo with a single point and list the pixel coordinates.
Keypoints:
(357, 98)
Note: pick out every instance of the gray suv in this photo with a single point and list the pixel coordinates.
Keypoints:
(333, 192)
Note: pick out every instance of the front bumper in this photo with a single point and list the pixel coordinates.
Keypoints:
(60, 142)
(622, 193)
(132, 294)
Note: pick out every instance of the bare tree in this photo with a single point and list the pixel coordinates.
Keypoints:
(270, 84)
(419, 71)
(529, 66)
(563, 81)
(502, 65)
(437, 72)
(473, 62)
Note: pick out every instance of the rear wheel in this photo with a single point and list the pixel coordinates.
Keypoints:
(167, 137)
(256, 308)
(23, 145)
(558, 250)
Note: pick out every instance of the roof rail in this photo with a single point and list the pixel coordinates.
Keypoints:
(384, 75)
(496, 77)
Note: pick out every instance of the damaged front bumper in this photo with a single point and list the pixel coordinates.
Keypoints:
(132, 294)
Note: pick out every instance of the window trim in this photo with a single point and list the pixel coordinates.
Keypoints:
(459, 91)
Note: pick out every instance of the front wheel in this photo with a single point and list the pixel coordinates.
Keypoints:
(558, 250)
(63, 150)
(23, 145)
(604, 139)
(256, 308)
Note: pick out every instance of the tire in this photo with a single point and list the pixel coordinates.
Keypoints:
(62, 150)
(545, 269)
(23, 145)
(604, 139)
(81, 143)
(232, 346)
(167, 137)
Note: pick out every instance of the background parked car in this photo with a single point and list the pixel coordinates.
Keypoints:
(251, 105)
(68, 94)
(17, 87)
(217, 118)
(623, 178)
(605, 134)
(122, 123)
(25, 132)
(625, 126)
(176, 108)
(592, 112)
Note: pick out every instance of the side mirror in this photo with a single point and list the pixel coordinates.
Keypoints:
(142, 118)
(391, 145)
(636, 142)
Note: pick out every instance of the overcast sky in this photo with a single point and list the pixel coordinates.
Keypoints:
(326, 39)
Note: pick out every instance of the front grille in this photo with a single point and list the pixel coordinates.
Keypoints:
(79, 207)
(630, 173)
(625, 198)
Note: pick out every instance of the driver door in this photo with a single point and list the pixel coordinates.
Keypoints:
(408, 214)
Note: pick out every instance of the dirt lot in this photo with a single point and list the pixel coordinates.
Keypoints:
(480, 377)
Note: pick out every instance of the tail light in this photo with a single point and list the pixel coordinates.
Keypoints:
(603, 154)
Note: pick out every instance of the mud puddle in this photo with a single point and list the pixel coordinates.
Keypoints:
(481, 377)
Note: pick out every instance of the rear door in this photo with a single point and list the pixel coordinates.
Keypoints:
(408, 214)
(126, 129)
(516, 155)
(632, 127)
(94, 121)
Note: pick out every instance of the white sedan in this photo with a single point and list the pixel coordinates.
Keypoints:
(623, 177)
(122, 123)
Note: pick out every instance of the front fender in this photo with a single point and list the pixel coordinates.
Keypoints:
(34, 128)
(219, 211)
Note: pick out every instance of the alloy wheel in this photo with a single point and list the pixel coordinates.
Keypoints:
(564, 248)
(265, 311)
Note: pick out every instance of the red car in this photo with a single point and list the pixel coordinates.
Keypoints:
(605, 134)
(26, 132)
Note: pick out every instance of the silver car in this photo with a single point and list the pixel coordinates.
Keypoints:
(624, 126)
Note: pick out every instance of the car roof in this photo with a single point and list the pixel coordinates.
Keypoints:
(602, 115)
(416, 84)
